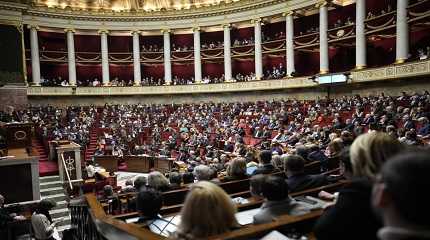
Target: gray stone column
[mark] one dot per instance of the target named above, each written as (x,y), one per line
(402,32)
(136,58)
(360,35)
(290,43)
(258,49)
(227,53)
(324,59)
(35,61)
(105,57)
(71,62)
(197,56)
(167,61)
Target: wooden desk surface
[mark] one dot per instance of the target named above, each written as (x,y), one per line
(18,152)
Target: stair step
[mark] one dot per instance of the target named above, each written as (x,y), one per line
(52,190)
(49,178)
(58,213)
(61,228)
(52,184)
(61,204)
(55,197)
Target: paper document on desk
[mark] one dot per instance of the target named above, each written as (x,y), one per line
(275,235)
(246,217)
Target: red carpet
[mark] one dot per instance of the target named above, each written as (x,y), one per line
(46,167)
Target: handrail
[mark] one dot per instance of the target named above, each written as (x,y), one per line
(67,172)
(131,229)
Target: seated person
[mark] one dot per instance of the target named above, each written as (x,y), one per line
(149,203)
(188,177)
(200,219)
(255,185)
(6,217)
(352,208)
(203,173)
(91,171)
(43,227)
(236,170)
(175,180)
(297,179)
(266,166)
(276,201)
(112,199)
(400,196)
(157,181)
(128,187)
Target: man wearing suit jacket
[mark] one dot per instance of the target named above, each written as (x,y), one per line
(399,194)
(297,179)
(266,166)
(277,202)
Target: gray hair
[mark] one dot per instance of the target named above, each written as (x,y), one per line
(202,172)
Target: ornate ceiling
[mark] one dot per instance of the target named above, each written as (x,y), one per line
(130,5)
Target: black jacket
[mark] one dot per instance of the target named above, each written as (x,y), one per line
(304,181)
(265,169)
(351,217)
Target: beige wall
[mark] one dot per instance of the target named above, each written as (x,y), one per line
(364,89)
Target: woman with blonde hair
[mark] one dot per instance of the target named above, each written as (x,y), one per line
(370,151)
(158,181)
(236,170)
(367,155)
(207,211)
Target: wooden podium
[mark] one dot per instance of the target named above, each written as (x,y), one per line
(19,169)
(69,159)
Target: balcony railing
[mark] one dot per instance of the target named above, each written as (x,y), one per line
(412,69)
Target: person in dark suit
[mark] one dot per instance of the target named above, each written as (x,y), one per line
(276,201)
(266,166)
(297,179)
(404,209)
(352,217)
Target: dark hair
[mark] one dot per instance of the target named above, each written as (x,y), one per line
(294,163)
(346,159)
(187,177)
(256,183)
(45,205)
(149,202)
(302,151)
(175,177)
(266,156)
(406,179)
(139,182)
(275,188)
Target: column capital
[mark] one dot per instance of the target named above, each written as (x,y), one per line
(226,25)
(256,20)
(196,29)
(101,31)
(166,30)
(323,3)
(66,30)
(33,26)
(289,13)
(135,31)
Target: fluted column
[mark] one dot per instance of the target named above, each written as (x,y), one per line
(136,58)
(167,62)
(324,59)
(258,51)
(402,32)
(197,56)
(71,62)
(105,57)
(360,34)
(35,61)
(290,43)
(227,53)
